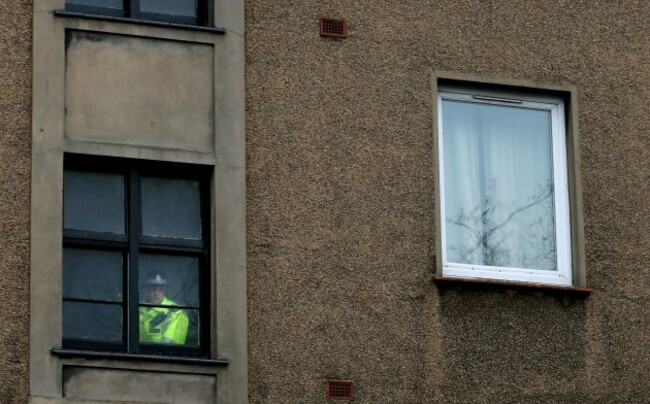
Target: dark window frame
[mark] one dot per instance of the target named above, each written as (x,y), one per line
(131,9)
(133,243)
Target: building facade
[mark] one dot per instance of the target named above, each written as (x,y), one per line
(15,173)
(343,164)
(443,201)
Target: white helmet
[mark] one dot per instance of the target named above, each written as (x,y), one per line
(156,279)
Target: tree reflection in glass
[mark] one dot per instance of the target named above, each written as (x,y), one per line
(498,173)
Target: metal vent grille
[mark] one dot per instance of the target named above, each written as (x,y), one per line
(340,390)
(333,28)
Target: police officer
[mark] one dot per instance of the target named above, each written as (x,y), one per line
(161,324)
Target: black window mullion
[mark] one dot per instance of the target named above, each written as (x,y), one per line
(205,292)
(132,8)
(204,306)
(97,301)
(179,248)
(90,238)
(202,13)
(176,306)
(132,293)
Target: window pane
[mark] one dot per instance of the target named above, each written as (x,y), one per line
(92,274)
(169,280)
(171,7)
(164,325)
(498,175)
(171,208)
(93,201)
(98,3)
(92,321)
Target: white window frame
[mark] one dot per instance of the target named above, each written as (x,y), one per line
(555,105)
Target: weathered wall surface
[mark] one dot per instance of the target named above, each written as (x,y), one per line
(15,153)
(341,219)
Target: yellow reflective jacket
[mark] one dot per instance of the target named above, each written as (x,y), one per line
(163,324)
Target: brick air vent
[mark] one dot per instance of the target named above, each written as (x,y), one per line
(333,28)
(340,390)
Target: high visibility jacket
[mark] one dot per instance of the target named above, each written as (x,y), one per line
(163,324)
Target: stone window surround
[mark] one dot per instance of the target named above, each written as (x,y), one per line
(229,341)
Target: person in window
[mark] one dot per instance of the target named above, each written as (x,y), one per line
(161,324)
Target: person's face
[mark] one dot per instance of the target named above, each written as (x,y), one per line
(156,294)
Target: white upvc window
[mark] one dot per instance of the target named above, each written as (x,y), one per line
(504,191)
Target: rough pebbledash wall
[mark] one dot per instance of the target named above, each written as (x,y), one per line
(341,218)
(15,158)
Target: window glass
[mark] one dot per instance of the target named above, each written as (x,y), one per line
(98,3)
(92,321)
(92,274)
(161,249)
(172,7)
(169,326)
(174,278)
(171,208)
(504,186)
(167,281)
(93,202)
(499,189)
(193,331)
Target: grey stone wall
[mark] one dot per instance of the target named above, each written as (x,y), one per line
(15,158)
(341,218)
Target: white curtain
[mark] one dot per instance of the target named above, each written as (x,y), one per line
(498,185)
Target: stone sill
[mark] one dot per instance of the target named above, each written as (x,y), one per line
(79,353)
